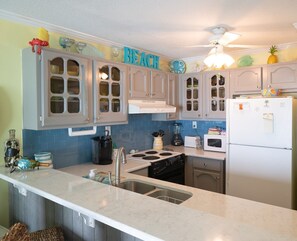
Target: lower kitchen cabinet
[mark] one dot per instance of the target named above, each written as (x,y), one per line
(207,174)
(208,180)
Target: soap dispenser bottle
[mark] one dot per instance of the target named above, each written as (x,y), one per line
(92,174)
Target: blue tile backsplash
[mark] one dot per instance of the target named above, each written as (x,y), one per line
(202,127)
(137,134)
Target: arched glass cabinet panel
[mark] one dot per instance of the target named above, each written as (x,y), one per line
(217,88)
(109,103)
(65,83)
(192,95)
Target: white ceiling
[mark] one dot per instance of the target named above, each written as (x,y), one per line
(166,26)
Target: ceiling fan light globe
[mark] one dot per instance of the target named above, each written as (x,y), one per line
(218,60)
(209,60)
(228,60)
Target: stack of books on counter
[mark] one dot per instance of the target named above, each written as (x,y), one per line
(216,131)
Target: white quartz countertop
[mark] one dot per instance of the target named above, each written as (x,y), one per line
(83,169)
(191,151)
(205,216)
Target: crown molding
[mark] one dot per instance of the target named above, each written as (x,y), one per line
(14,17)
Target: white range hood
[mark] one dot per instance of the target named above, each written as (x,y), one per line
(149,107)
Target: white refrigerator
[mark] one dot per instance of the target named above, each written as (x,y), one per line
(261,150)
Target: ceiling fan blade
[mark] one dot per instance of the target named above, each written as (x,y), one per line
(199,46)
(228,38)
(245,46)
(212,51)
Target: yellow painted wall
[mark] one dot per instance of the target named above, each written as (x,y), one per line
(15,37)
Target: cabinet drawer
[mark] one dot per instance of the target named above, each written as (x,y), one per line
(207,164)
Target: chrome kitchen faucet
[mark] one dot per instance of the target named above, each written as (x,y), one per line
(121,154)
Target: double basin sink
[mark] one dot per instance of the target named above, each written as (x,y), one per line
(156,191)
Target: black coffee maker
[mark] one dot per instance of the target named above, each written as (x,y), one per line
(102,149)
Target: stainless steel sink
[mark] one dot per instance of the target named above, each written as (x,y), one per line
(137,186)
(170,195)
(155,191)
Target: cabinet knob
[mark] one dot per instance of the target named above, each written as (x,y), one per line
(204,164)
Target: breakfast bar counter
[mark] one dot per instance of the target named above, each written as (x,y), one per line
(205,216)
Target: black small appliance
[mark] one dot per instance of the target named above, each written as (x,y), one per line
(102,149)
(177,140)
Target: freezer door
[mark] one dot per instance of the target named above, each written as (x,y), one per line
(260,122)
(260,174)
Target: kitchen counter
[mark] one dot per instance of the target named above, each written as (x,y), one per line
(205,216)
(190,151)
(83,169)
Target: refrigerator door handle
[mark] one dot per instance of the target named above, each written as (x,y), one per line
(268,123)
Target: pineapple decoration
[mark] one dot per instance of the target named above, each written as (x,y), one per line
(272,59)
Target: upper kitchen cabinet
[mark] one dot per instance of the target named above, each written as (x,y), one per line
(281,76)
(158,85)
(55,89)
(147,84)
(110,98)
(247,80)
(172,99)
(217,91)
(173,95)
(191,96)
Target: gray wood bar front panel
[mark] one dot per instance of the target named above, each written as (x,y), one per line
(39,213)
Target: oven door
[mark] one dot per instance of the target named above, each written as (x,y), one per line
(176,176)
(170,170)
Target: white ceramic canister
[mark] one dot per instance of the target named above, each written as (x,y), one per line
(158,143)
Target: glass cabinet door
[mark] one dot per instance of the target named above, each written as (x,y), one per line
(192,96)
(64,86)
(109,93)
(217,93)
(217,83)
(109,89)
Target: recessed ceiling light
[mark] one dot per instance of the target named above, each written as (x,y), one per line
(295,25)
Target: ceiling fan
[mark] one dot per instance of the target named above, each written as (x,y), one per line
(221,37)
